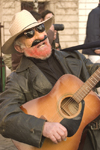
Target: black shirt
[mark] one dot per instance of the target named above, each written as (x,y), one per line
(50,67)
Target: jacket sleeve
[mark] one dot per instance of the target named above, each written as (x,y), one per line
(14,123)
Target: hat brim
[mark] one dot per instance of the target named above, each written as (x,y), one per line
(8,47)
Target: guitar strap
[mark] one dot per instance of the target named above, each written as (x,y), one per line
(95,124)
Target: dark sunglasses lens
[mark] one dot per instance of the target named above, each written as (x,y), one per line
(40,28)
(30,33)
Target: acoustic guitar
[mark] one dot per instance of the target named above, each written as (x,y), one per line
(72,103)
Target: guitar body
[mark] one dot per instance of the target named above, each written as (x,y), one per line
(49,107)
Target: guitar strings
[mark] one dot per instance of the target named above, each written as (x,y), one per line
(56,117)
(83,92)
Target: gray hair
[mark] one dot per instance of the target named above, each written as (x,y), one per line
(21,45)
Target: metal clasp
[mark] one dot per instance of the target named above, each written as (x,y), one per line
(96,125)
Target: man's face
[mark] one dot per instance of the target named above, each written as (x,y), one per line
(37,46)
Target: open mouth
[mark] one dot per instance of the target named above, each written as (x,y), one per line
(41,45)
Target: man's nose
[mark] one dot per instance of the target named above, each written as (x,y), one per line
(40,35)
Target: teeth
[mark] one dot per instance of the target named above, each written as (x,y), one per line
(42,45)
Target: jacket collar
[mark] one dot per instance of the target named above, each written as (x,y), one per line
(24,64)
(73,65)
(27,63)
(69,62)
(70,65)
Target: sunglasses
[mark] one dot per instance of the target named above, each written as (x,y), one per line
(31,32)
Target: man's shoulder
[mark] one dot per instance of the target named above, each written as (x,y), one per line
(66,53)
(17,79)
(95,10)
(13,75)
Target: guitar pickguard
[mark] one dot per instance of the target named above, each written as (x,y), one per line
(73,124)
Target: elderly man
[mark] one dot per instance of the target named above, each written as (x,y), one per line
(37,73)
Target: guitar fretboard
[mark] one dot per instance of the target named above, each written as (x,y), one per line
(87,86)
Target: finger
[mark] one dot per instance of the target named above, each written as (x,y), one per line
(64,130)
(53,139)
(58,137)
(62,134)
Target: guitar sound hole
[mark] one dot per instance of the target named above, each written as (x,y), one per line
(69,106)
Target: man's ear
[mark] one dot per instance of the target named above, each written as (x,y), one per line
(18,49)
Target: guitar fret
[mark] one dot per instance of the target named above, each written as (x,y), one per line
(90,85)
(79,95)
(94,81)
(77,98)
(84,91)
(82,94)
(97,77)
(87,86)
(98,71)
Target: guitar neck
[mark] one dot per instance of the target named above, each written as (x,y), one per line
(87,86)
